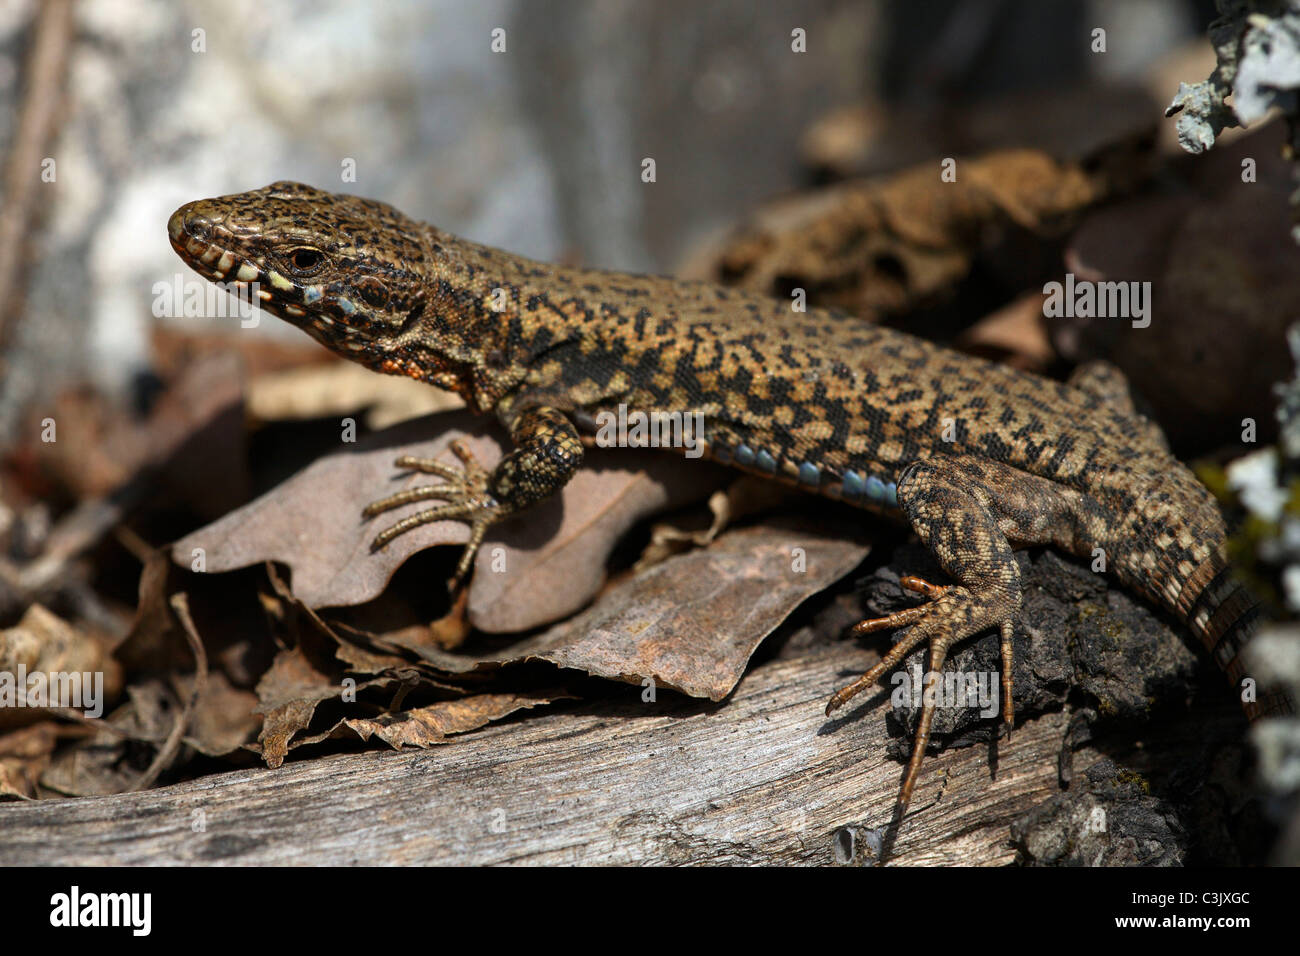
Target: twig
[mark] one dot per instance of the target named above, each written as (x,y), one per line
(181,605)
(53,37)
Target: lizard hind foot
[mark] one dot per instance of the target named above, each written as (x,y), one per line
(951,613)
(466,496)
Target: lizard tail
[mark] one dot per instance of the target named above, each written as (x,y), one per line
(1224,615)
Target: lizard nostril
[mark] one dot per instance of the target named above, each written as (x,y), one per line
(198,227)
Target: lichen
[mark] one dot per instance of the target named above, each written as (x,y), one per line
(1264,487)
(1257,47)
(1133,777)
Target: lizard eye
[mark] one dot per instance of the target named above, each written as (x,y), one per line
(305,261)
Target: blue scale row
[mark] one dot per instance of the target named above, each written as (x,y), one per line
(872,488)
(854,487)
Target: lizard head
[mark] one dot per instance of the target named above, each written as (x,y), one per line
(350,272)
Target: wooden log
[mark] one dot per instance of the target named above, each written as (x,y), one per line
(762,778)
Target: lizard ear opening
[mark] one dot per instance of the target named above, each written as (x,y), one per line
(374,292)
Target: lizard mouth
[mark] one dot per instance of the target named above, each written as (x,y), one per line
(195,239)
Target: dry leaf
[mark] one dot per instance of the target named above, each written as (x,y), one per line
(359,660)
(112,761)
(43,643)
(24,755)
(692,622)
(745,496)
(312,523)
(426,726)
(554,555)
(223,718)
(290,692)
(287,697)
(890,244)
(546,570)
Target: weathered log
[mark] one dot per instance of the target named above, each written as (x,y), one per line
(762,778)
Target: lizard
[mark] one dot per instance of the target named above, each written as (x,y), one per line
(975,457)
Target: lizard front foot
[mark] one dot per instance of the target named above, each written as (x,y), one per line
(466,491)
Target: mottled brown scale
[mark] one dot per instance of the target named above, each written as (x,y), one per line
(979,456)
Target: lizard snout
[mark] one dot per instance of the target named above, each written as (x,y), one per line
(189,222)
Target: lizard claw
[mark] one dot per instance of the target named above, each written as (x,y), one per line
(891,622)
(951,613)
(465,491)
